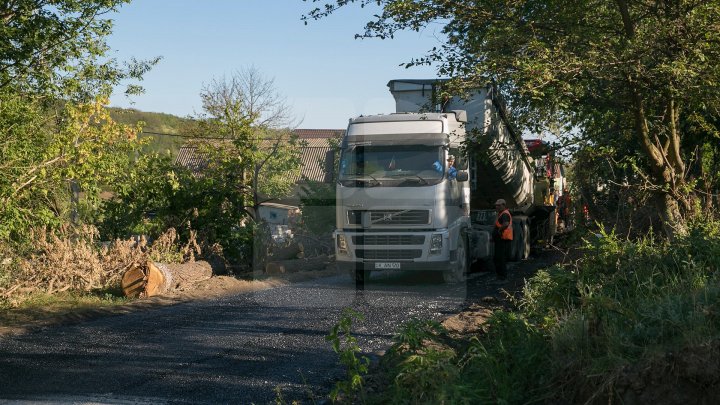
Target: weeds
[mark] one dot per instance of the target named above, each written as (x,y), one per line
(626,301)
(578,326)
(345,344)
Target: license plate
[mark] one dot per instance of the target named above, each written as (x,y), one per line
(386,265)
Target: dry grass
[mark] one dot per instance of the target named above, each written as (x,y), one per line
(73,260)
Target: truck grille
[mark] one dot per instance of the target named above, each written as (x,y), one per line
(388,254)
(391,217)
(388,240)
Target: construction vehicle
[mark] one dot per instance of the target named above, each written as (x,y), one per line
(400,206)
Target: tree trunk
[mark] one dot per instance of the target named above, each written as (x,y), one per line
(669,211)
(157,278)
(666,165)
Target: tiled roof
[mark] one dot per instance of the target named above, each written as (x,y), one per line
(318,133)
(317,155)
(190,157)
(317,164)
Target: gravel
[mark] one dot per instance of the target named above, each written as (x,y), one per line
(245,348)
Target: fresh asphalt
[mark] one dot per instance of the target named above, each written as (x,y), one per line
(250,348)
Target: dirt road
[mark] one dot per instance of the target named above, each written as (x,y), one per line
(242,348)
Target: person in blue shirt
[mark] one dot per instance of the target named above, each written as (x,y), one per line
(451,171)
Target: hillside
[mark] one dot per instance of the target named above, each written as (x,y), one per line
(154,126)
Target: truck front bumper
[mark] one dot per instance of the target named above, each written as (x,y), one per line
(378,250)
(403,266)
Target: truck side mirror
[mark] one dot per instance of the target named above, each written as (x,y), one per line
(462,176)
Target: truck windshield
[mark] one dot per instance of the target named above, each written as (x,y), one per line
(391,165)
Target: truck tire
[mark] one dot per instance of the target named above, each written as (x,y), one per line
(515,245)
(526,239)
(520,246)
(458,274)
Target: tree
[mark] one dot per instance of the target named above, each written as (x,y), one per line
(640,71)
(42,154)
(57,48)
(256,148)
(55,134)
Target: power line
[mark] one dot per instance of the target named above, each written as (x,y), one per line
(218,138)
(183,136)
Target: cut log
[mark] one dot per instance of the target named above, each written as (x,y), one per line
(294,266)
(157,278)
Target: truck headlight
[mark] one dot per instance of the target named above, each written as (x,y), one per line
(341,244)
(436,243)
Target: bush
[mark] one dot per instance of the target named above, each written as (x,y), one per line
(626,301)
(579,325)
(157,194)
(318,207)
(511,363)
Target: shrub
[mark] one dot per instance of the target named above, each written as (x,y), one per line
(509,364)
(157,195)
(625,301)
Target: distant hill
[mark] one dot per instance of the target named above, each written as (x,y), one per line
(157,126)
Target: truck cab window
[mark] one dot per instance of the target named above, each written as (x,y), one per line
(393,165)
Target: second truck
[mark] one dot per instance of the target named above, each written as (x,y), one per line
(400,206)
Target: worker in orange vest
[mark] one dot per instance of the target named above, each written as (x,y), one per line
(502,236)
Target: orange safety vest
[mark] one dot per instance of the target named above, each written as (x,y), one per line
(507,234)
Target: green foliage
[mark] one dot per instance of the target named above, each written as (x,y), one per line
(427,368)
(58,145)
(345,344)
(511,363)
(46,153)
(640,76)
(625,301)
(428,377)
(415,332)
(547,297)
(258,149)
(58,49)
(154,125)
(318,207)
(155,194)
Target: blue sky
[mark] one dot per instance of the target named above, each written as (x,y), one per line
(326,75)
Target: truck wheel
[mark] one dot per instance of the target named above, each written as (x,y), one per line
(516,245)
(458,273)
(526,240)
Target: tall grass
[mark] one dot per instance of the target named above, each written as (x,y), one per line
(623,302)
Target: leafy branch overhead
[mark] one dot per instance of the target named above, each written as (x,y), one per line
(611,69)
(57,47)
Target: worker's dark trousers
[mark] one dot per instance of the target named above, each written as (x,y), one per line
(502,251)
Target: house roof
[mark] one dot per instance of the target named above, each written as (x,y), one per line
(189,156)
(317,156)
(318,133)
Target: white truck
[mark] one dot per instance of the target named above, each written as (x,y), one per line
(399,205)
